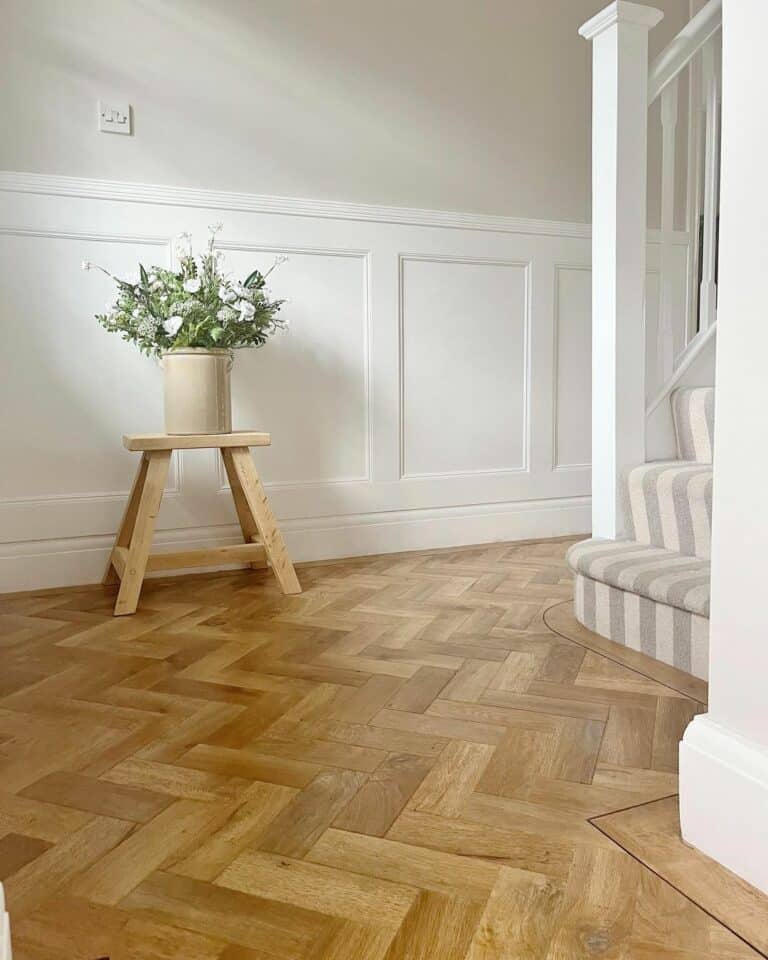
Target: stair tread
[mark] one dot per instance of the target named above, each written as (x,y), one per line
(667,576)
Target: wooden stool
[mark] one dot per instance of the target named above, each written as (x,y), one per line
(130,558)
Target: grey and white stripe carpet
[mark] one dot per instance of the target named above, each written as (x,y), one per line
(693,411)
(669,504)
(655,573)
(650,591)
(666,633)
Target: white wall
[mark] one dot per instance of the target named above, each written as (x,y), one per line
(443,104)
(433,388)
(724,758)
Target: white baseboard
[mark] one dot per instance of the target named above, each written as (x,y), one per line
(68,562)
(724,799)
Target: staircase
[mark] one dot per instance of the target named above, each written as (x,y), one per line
(650,591)
(643,579)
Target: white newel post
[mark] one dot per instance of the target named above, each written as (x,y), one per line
(724,753)
(619,36)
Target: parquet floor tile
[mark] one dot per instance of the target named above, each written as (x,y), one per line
(421,757)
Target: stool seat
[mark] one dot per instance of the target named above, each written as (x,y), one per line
(194,441)
(130,558)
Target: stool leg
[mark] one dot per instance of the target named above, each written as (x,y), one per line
(144,528)
(261,512)
(247,523)
(128,522)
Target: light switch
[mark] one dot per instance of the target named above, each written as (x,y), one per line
(114,117)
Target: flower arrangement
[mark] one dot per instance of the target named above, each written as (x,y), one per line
(195,306)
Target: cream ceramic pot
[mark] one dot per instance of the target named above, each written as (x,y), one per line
(198,397)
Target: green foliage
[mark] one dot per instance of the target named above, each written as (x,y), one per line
(196,306)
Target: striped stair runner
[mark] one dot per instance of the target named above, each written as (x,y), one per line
(693,410)
(669,504)
(650,591)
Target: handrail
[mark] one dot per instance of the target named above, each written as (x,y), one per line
(686,44)
(684,361)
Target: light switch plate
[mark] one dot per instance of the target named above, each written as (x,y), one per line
(114,117)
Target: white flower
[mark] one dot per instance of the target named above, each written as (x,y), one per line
(227,294)
(86,265)
(192,285)
(147,327)
(247,310)
(225,314)
(171,325)
(136,313)
(163,297)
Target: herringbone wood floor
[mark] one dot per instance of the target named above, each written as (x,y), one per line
(399,764)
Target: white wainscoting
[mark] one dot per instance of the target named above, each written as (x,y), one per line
(432,390)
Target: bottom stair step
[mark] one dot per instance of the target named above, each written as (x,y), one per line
(646,598)
(668,634)
(663,575)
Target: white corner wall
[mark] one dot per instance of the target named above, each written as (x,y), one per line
(724,754)
(433,388)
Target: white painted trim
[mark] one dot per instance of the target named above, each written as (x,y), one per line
(620,11)
(723,798)
(116,190)
(78,560)
(619,36)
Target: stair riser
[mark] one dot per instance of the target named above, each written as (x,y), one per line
(693,412)
(670,506)
(666,633)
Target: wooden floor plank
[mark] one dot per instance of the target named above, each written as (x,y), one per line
(520,918)
(436,926)
(298,826)
(327,890)
(98,796)
(375,806)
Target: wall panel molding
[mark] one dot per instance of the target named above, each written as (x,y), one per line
(525,386)
(331,394)
(559,361)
